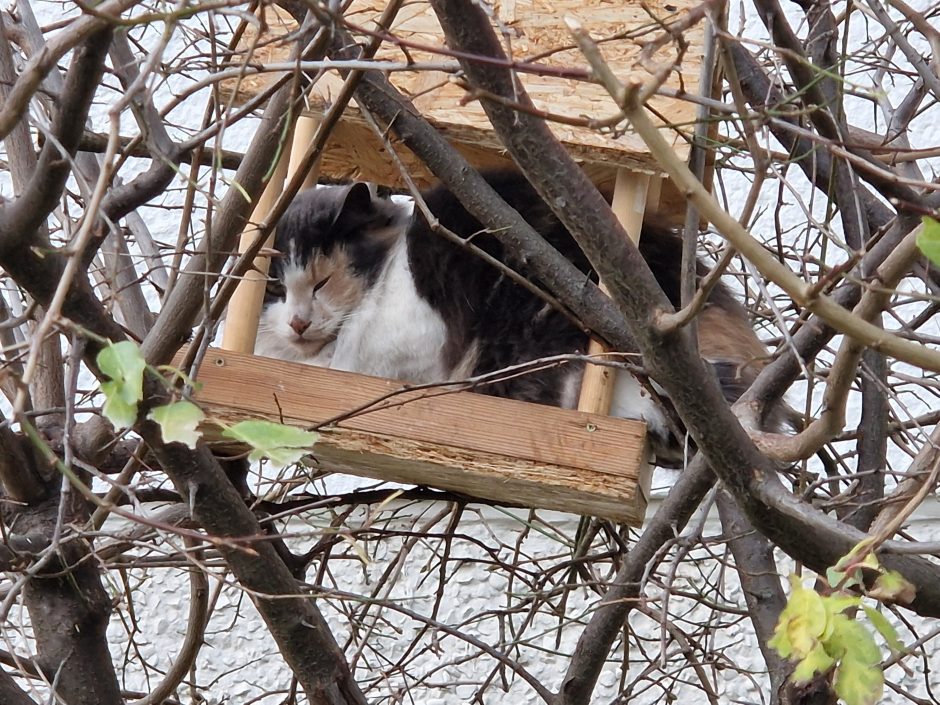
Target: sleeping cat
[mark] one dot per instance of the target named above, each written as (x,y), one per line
(364,286)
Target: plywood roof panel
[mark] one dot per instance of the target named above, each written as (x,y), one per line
(535,35)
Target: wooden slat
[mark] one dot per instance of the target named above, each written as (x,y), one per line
(629,205)
(354,153)
(497,449)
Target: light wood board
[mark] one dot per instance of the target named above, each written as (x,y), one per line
(497,449)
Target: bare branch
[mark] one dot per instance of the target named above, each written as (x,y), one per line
(624,592)
(11,693)
(760,582)
(930,77)
(35,70)
(761,93)
(194,639)
(20,219)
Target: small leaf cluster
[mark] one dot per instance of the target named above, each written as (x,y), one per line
(821,634)
(179,421)
(928,240)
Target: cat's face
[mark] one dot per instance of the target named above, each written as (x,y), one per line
(332,244)
(311,298)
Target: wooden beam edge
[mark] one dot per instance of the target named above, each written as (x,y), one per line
(308,396)
(487,476)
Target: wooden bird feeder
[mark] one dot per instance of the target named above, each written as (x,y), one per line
(503,450)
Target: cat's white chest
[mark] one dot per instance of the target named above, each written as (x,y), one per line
(394,332)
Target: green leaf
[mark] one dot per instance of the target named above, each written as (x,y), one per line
(840,603)
(178,422)
(838,579)
(928,240)
(892,587)
(282,444)
(884,627)
(124,364)
(834,577)
(801,623)
(851,640)
(858,682)
(816,661)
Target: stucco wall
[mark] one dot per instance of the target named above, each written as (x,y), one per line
(242,663)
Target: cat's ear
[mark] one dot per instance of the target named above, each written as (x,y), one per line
(358,200)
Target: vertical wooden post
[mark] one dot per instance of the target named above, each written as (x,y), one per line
(629,205)
(304,132)
(244,308)
(653,193)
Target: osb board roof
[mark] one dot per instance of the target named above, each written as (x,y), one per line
(533,31)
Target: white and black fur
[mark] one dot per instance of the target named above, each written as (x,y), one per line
(364,286)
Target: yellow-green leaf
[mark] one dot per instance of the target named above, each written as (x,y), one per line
(891,586)
(928,240)
(884,627)
(282,444)
(862,548)
(125,366)
(840,602)
(178,422)
(801,623)
(816,661)
(858,682)
(851,640)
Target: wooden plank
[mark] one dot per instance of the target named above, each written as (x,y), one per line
(354,153)
(498,449)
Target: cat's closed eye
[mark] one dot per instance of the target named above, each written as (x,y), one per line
(320,284)
(275,289)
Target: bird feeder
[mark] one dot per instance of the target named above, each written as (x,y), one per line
(502,450)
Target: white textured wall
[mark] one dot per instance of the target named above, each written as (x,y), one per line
(243,663)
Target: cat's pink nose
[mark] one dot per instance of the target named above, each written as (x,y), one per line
(299,325)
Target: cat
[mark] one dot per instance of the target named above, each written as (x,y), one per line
(364,286)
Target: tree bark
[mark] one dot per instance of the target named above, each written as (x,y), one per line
(69,614)
(11,693)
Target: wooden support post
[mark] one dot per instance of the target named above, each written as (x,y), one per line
(304,132)
(629,205)
(244,308)
(653,193)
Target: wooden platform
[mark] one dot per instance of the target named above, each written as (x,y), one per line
(481,446)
